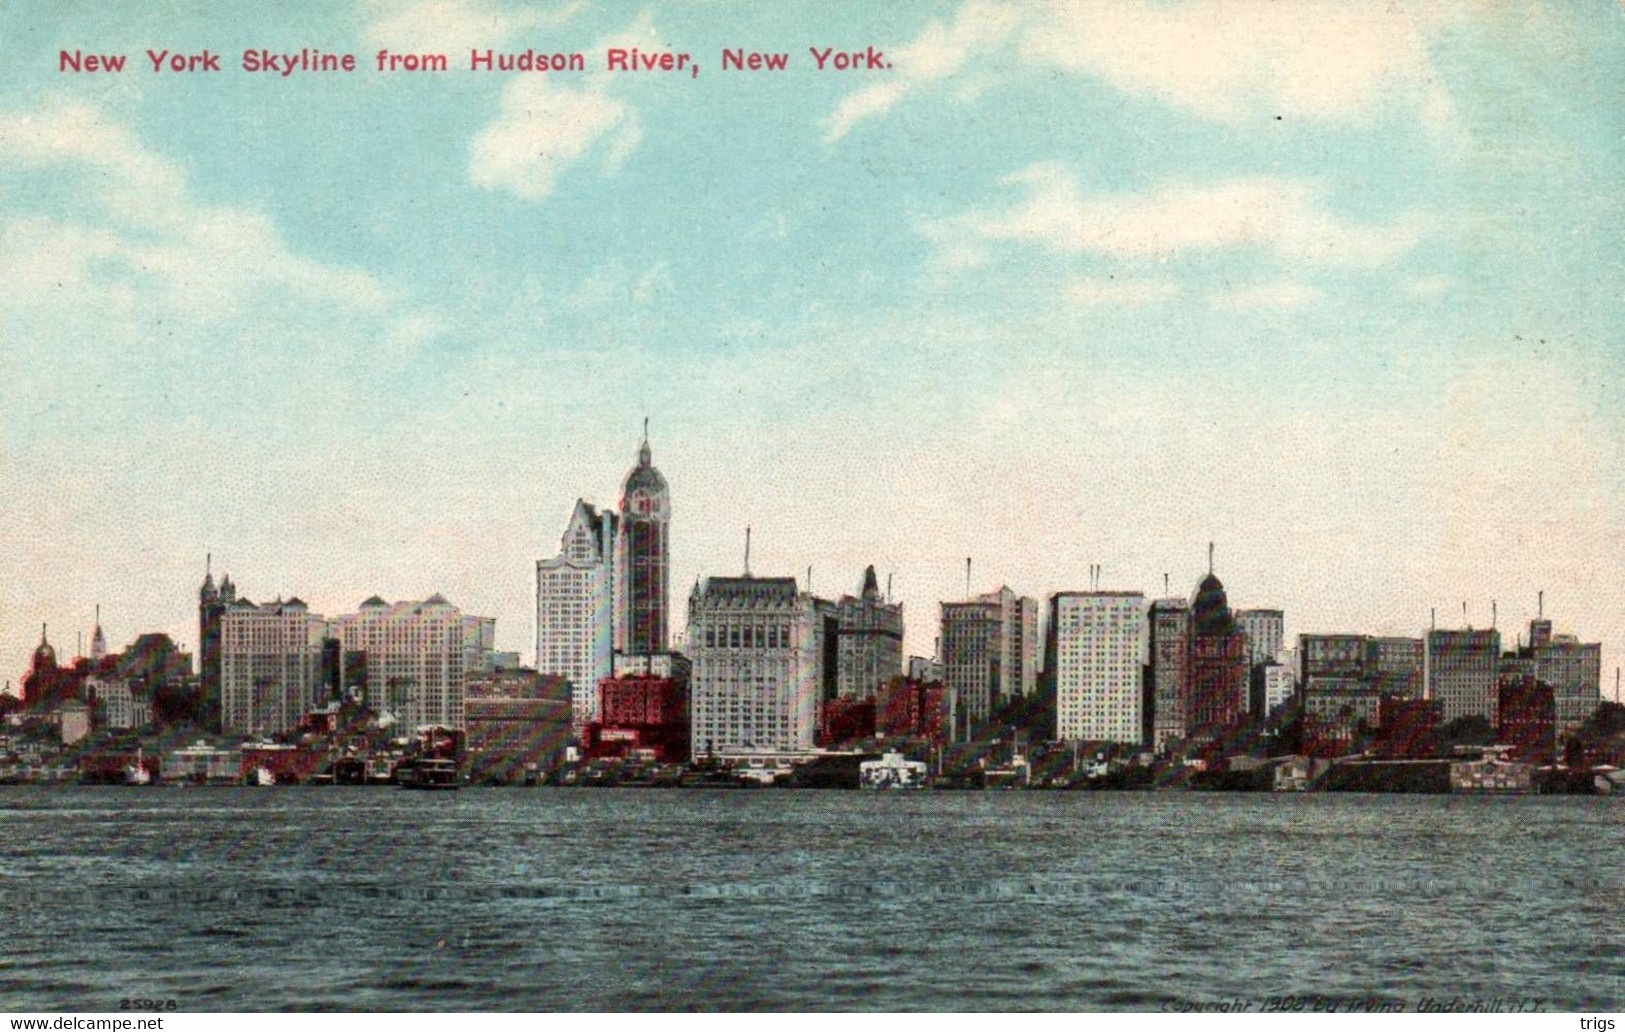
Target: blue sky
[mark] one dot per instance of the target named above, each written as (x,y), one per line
(1336,286)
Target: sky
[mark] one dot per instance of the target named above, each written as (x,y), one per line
(1337,287)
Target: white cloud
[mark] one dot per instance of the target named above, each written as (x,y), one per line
(544,129)
(1280,216)
(452,26)
(1091,293)
(1284,293)
(1229,61)
(940,52)
(204,260)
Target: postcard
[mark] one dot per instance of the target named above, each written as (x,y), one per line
(538,506)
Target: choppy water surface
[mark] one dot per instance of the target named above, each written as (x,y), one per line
(547,899)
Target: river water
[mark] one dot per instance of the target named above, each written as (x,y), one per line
(559,899)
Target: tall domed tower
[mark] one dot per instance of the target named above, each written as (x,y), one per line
(1218,670)
(643,558)
(211,606)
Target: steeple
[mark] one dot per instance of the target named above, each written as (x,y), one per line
(644,458)
(98,641)
(207,592)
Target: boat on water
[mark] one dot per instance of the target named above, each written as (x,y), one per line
(891,772)
(259,777)
(428,774)
(136,772)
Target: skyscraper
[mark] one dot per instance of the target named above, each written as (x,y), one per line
(758,646)
(642,558)
(989,654)
(417,657)
(1099,654)
(1219,682)
(1462,669)
(1169,669)
(212,603)
(575,607)
(1573,670)
(270,660)
(871,640)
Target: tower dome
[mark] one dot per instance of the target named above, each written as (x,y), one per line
(1210,608)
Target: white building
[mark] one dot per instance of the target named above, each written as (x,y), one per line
(1265,630)
(118,705)
(758,675)
(418,657)
(575,608)
(270,657)
(1278,684)
(1100,655)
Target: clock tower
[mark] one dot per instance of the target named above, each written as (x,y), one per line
(642,558)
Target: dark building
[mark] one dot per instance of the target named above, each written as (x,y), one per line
(643,558)
(211,609)
(1408,729)
(842,720)
(1167,682)
(907,707)
(1528,712)
(1216,701)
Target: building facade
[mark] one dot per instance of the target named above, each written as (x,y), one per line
(989,654)
(1573,669)
(1169,671)
(758,649)
(270,663)
(871,640)
(417,657)
(1099,665)
(1265,630)
(1462,668)
(1219,674)
(575,607)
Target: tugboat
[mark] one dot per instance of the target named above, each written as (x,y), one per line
(425,773)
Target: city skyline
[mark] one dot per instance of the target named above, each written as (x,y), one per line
(374,335)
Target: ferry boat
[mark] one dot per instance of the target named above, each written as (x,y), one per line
(428,774)
(891,771)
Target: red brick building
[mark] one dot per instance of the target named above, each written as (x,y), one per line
(638,713)
(907,708)
(842,720)
(1527,708)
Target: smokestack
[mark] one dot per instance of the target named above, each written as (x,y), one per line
(967,578)
(888,587)
(1210,557)
(1494,615)
(1433,618)
(747,553)
(1540,604)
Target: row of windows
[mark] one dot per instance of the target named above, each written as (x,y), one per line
(749,636)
